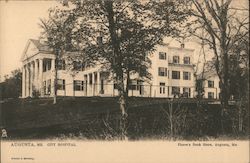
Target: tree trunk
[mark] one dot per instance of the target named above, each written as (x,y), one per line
(123,120)
(117,66)
(224,53)
(123,109)
(127,84)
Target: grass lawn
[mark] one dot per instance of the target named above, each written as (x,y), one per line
(39,117)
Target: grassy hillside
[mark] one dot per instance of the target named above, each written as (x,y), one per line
(98,117)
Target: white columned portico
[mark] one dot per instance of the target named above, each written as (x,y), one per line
(23,81)
(41,77)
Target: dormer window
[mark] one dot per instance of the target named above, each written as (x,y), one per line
(210,84)
(186,60)
(176,59)
(162,56)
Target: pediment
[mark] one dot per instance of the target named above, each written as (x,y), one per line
(29,51)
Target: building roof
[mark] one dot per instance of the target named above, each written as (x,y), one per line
(34,47)
(176,48)
(40,46)
(207,75)
(180,48)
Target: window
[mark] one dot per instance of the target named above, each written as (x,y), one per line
(61,64)
(61,84)
(162,56)
(49,64)
(176,59)
(162,88)
(162,71)
(78,85)
(210,84)
(175,74)
(175,90)
(48,86)
(46,65)
(210,95)
(115,86)
(90,79)
(186,60)
(44,87)
(132,85)
(186,92)
(186,75)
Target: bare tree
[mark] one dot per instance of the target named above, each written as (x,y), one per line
(239,81)
(223,27)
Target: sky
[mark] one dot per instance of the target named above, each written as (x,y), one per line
(18,23)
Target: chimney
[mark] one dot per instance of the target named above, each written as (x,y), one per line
(182,45)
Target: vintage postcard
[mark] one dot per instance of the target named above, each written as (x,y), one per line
(97,81)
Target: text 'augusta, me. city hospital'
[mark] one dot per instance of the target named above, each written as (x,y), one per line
(172,71)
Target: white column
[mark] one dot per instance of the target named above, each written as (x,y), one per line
(36,74)
(93,84)
(46,65)
(98,84)
(23,81)
(88,85)
(31,77)
(27,80)
(53,63)
(40,80)
(53,77)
